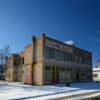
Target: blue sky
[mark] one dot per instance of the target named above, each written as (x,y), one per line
(76,20)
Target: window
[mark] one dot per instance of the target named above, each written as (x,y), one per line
(47,52)
(15,63)
(48,76)
(80,61)
(83,60)
(47,67)
(62,68)
(50,53)
(70,57)
(67,57)
(77,59)
(48,73)
(73,58)
(62,56)
(95,75)
(22,60)
(53,68)
(89,62)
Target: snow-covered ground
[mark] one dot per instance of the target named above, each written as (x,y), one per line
(18,91)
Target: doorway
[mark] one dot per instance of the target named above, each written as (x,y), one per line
(55,75)
(77,77)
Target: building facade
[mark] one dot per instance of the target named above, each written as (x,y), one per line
(14,68)
(49,61)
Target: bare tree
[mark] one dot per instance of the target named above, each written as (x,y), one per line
(4,54)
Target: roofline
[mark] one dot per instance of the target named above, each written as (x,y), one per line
(67,44)
(27,45)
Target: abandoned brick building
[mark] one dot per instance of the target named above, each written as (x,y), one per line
(14,68)
(49,61)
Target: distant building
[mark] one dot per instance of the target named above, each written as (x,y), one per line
(14,68)
(96,74)
(49,61)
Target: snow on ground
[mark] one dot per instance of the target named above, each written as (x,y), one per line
(20,91)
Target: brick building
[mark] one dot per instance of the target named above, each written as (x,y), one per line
(14,68)
(49,61)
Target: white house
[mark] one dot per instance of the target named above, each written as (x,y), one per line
(96,74)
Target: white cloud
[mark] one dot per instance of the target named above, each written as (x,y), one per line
(70,42)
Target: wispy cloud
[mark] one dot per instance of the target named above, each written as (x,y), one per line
(95,39)
(98,32)
(70,42)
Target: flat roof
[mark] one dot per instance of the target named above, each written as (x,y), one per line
(96,69)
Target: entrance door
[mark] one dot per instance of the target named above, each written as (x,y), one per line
(55,75)
(77,77)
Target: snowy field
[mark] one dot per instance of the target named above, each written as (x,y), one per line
(18,91)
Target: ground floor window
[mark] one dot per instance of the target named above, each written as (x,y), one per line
(48,74)
(56,75)
(62,75)
(83,76)
(95,75)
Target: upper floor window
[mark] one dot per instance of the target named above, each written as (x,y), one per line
(52,53)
